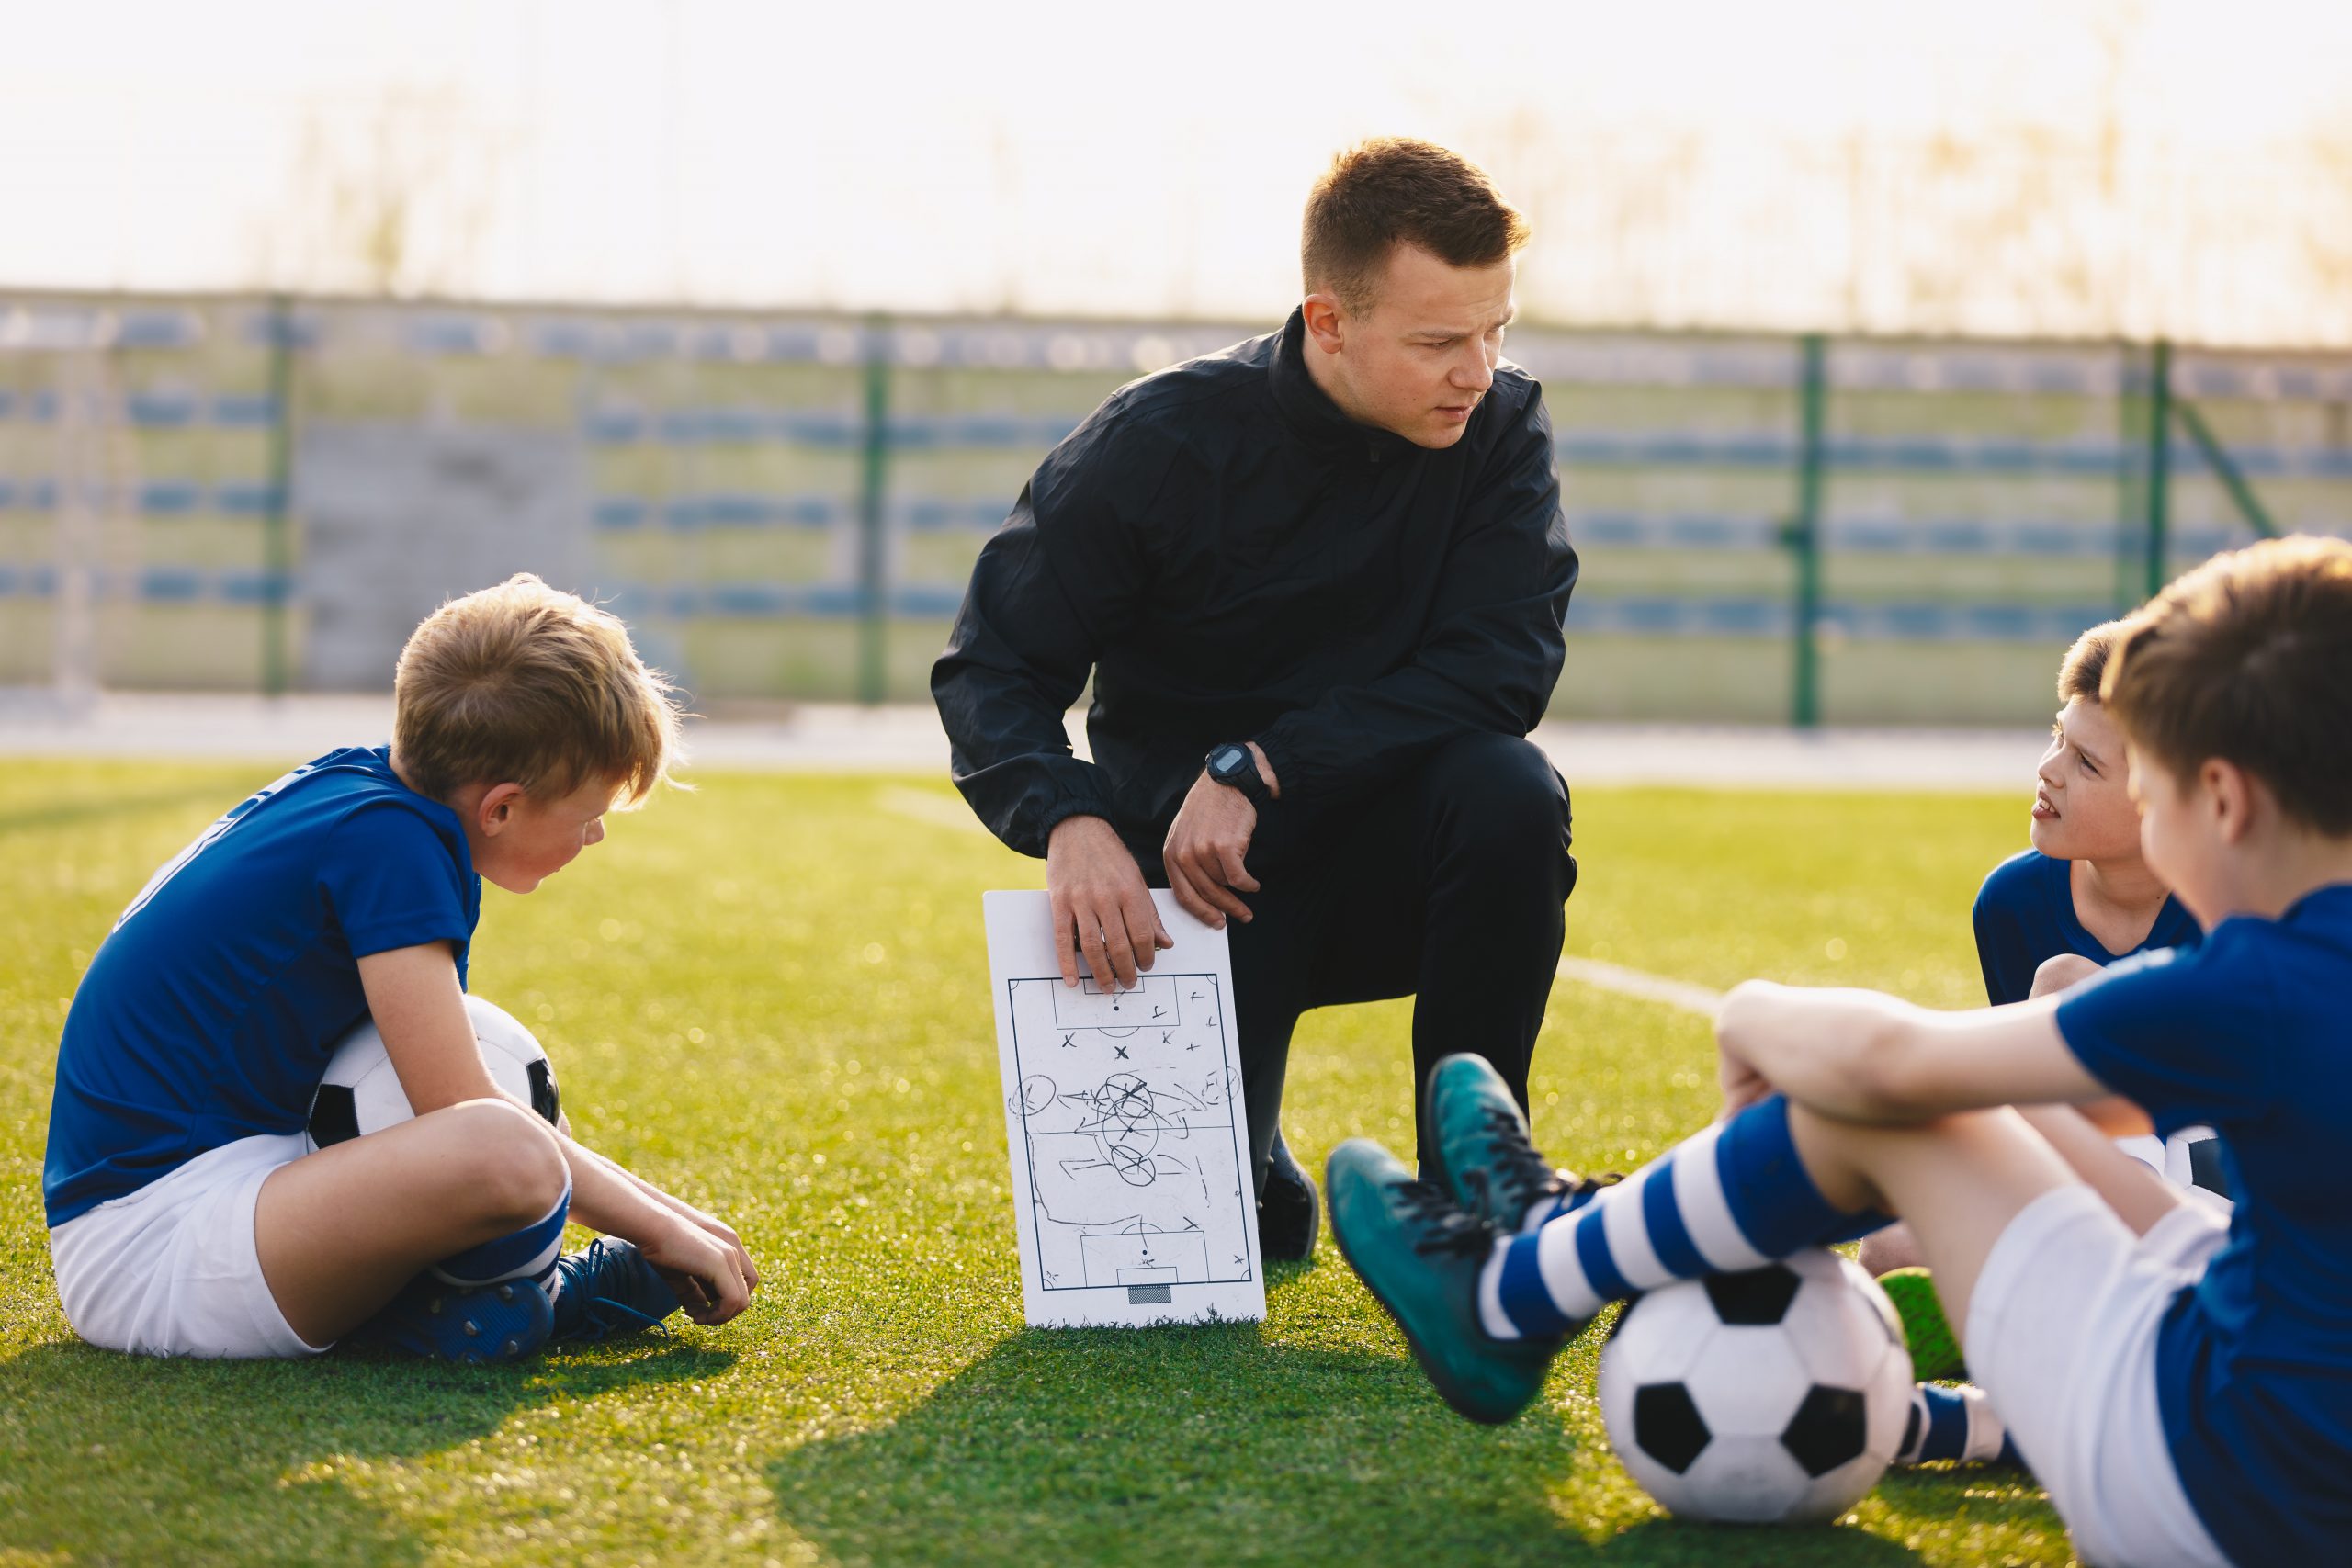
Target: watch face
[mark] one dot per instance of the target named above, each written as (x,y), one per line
(1230,759)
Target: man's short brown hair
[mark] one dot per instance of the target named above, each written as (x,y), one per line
(2248,658)
(525,683)
(1396,191)
(2085,662)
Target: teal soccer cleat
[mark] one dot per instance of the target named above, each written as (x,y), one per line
(1485,1156)
(502,1322)
(608,1289)
(1420,1256)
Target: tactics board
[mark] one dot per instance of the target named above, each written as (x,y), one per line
(1123,1111)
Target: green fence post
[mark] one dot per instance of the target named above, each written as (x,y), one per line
(2129,450)
(277,547)
(872,544)
(2225,469)
(1804,538)
(2159,462)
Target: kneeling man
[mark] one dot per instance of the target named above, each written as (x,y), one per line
(1318,580)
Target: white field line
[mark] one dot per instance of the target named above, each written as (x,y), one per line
(939,811)
(1639,983)
(923,806)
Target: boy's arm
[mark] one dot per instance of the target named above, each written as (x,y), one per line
(1862,1056)
(413,996)
(420,1010)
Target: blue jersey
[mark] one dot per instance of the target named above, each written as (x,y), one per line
(208,1012)
(2249,1031)
(2025,916)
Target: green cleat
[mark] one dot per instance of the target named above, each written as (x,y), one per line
(1935,1349)
(1420,1257)
(1484,1155)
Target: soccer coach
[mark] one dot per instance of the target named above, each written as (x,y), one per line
(1319,580)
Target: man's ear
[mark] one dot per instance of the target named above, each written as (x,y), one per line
(495,811)
(1326,321)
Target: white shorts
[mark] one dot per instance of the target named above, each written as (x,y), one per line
(171,1269)
(2061,1333)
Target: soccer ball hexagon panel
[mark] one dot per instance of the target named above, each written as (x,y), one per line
(1777,1395)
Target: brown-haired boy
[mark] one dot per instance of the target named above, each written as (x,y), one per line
(2182,1385)
(186,1214)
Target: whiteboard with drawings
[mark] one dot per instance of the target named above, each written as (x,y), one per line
(1123,1110)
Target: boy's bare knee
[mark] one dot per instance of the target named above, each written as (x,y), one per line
(2056,973)
(511,1158)
(1894,1247)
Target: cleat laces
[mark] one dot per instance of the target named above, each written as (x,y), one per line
(1446,1227)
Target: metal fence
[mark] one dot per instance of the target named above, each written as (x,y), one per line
(264,494)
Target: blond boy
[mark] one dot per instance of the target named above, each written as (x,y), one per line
(186,1214)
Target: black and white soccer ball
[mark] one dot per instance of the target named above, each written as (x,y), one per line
(361,1093)
(1778,1396)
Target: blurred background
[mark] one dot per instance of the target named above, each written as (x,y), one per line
(1887,346)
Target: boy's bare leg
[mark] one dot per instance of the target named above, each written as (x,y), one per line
(1959,1181)
(2130,1189)
(341,1231)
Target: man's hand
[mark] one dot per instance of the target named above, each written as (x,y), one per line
(1206,845)
(1101,907)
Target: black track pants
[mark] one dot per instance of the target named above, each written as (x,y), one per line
(1447,887)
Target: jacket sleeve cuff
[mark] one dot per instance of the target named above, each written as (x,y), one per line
(1061,811)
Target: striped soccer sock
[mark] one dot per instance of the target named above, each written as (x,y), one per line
(1955,1423)
(1735,1196)
(526,1254)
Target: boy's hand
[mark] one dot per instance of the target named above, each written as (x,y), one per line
(1742,1085)
(1741,1082)
(713,1278)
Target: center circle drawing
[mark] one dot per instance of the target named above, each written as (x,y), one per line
(1129,1127)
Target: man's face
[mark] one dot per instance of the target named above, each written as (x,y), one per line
(1417,361)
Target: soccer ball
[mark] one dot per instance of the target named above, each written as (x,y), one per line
(361,1093)
(1773,1396)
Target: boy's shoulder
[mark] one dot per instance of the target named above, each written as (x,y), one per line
(2025,876)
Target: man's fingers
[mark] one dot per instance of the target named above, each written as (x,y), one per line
(1236,874)
(1189,901)
(1224,898)
(1121,951)
(1145,933)
(1098,956)
(1065,946)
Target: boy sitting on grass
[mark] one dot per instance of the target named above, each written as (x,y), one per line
(2182,1383)
(2081,897)
(186,1215)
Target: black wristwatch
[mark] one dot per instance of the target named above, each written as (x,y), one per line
(1233,763)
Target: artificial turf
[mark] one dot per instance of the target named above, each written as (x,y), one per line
(770,995)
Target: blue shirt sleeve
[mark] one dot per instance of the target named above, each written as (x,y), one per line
(2180,1031)
(392,882)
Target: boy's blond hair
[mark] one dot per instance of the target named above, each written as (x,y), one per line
(2080,671)
(2248,658)
(525,683)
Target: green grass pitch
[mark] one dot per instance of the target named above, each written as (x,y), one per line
(771,994)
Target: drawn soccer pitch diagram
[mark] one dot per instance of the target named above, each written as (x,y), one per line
(1129,1148)
(1133,1154)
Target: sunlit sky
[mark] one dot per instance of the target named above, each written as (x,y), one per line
(1044,157)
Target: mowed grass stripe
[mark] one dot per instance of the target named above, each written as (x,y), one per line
(772,995)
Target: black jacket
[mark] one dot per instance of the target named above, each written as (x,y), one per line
(1235,559)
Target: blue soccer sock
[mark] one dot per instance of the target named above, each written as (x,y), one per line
(526,1254)
(1735,1196)
(1955,1423)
